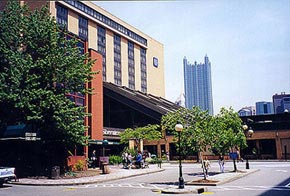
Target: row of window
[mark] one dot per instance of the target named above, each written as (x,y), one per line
(83,28)
(131,65)
(143,70)
(117,60)
(102,48)
(79,5)
(62,15)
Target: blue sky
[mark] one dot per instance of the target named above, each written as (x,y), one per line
(247,42)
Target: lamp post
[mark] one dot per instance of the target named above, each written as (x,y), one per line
(178,128)
(248,133)
(105,142)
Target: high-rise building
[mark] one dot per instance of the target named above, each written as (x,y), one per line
(198,85)
(281,103)
(263,107)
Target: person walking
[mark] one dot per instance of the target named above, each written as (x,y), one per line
(138,159)
(130,160)
(221,163)
(206,165)
(94,159)
(167,156)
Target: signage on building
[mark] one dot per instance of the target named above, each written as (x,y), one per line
(155,62)
(30,136)
(111,132)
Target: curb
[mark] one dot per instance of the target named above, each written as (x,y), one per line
(87,182)
(226,180)
(183,191)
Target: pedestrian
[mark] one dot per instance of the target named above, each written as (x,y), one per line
(221,163)
(167,156)
(94,159)
(125,160)
(206,165)
(130,160)
(139,159)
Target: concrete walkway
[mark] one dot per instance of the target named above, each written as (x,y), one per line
(116,172)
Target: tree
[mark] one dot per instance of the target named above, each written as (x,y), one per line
(39,66)
(197,134)
(230,135)
(149,133)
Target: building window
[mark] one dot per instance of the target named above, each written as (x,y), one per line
(117,60)
(104,19)
(61,16)
(143,70)
(76,97)
(102,48)
(131,65)
(83,28)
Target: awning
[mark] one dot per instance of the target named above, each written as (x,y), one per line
(100,142)
(19,132)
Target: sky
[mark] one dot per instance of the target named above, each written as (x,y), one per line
(247,42)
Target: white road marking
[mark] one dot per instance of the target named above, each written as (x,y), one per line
(280,170)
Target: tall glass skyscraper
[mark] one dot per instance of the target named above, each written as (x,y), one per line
(198,85)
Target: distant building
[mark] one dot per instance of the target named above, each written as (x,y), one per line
(198,85)
(247,111)
(281,103)
(264,107)
(180,101)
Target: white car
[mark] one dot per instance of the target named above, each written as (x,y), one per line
(7,174)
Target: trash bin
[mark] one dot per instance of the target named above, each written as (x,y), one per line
(105,168)
(55,171)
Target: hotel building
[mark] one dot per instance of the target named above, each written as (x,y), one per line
(125,56)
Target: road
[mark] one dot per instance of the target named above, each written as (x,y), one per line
(272,179)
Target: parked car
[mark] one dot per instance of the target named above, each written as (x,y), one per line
(7,174)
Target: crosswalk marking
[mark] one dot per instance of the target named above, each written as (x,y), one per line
(251,188)
(159,186)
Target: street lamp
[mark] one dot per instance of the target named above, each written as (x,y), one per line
(178,128)
(248,133)
(105,142)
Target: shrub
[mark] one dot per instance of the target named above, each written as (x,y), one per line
(153,160)
(79,166)
(114,159)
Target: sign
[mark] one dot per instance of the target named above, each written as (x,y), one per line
(30,136)
(27,134)
(155,62)
(233,155)
(109,132)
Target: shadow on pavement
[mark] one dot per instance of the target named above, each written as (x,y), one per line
(280,190)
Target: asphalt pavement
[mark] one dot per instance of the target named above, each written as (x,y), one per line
(193,185)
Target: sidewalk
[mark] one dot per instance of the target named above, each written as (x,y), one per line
(116,172)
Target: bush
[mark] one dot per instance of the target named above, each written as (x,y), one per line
(79,166)
(114,159)
(153,160)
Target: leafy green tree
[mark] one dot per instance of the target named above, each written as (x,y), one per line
(149,133)
(39,66)
(230,135)
(197,135)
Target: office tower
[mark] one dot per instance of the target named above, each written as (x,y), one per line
(264,107)
(198,85)
(281,103)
